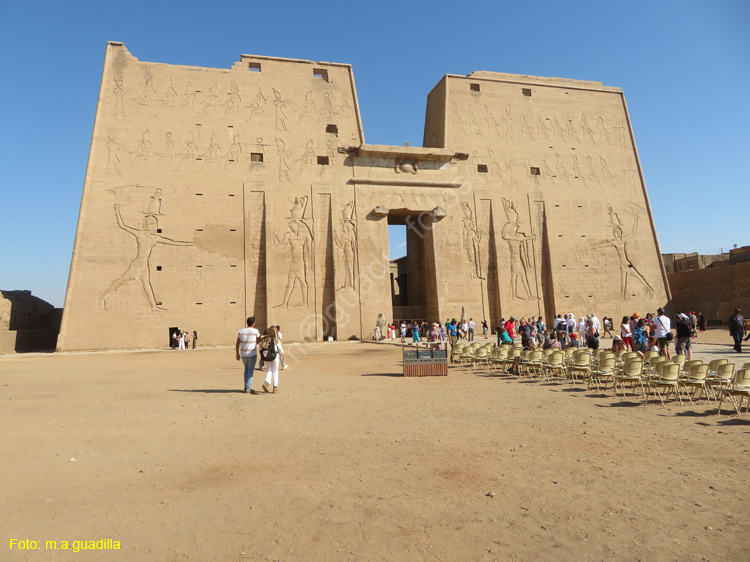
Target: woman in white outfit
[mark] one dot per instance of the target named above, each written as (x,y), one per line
(272,367)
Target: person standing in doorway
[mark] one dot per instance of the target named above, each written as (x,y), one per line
(246,351)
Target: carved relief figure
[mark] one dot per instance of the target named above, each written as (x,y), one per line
(518,244)
(577,170)
(490,119)
(148,95)
(212,153)
(542,127)
(494,166)
(347,243)
(547,172)
(327,113)
(557,129)
(619,243)
(511,168)
(119,92)
(585,129)
(189,99)
(189,153)
(169,98)
(561,170)
(308,157)
(330,150)
(233,154)
(473,121)
(308,107)
(280,104)
(233,100)
(590,169)
(602,129)
(140,268)
(168,152)
(113,156)
(525,128)
(144,149)
(472,236)
(605,171)
(299,239)
(257,106)
(154,204)
(283,154)
(456,118)
(508,125)
(572,131)
(622,133)
(211,100)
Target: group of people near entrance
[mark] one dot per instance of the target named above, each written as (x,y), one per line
(251,345)
(181,339)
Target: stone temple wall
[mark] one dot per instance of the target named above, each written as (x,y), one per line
(216,194)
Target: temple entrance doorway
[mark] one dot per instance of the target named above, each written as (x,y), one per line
(412,266)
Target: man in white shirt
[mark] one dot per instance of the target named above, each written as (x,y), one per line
(595,322)
(472,325)
(663,327)
(247,351)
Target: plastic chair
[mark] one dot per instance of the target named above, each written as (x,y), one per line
(631,373)
(668,378)
(740,388)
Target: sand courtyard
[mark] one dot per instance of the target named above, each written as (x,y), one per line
(351,461)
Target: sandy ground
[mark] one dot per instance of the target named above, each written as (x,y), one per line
(351,461)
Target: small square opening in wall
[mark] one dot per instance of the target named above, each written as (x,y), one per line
(253,66)
(158,268)
(321,73)
(535,171)
(256,157)
(482,168)
(474,87)
(323,160)
(158,231)
(526,92)
(332,129)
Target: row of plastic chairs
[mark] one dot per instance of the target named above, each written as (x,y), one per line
(652,374)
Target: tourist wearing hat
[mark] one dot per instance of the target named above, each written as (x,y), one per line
(573,341)
(684,331)
(737,328)
(618,344)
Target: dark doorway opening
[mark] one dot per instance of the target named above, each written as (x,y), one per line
(173,341)
(413,280)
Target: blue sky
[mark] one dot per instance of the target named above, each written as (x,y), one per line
(684,67)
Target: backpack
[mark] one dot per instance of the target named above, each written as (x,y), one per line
(639,336)
(269,353)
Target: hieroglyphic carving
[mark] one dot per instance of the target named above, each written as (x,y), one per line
(518,244)
(280,104)
(308,157)
(330,150)
(113,156)
(346,241)
(472,236)
(547,172)
(257,106)
(605,171)
(119,93)
(511,168)
(622,133)
(619,243)
(299,239)
(283,154)
(494,166)
(140,267)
